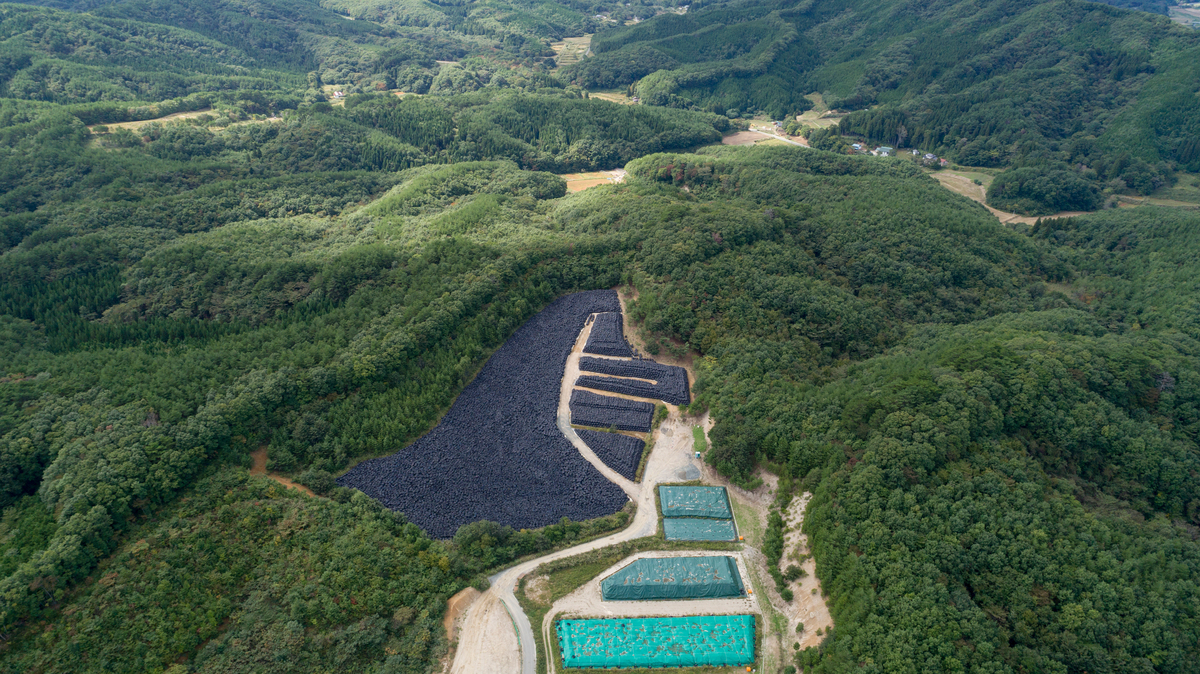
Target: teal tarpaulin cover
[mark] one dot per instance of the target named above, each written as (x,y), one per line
(694,502)
(674,578)
(690,529)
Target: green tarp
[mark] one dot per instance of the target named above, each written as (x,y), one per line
(674,578)
(689,529)
(694,502)
(657,642)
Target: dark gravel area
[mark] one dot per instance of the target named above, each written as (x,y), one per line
(498,454)
(608,337)
(591,409)
(671,382)
(619,452)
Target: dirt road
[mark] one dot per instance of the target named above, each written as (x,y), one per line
(570,374)
(978,193)
(260,468)
(670,456)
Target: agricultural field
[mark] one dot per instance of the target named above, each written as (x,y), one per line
(571,50)
(498,453)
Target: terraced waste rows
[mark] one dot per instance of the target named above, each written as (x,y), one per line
(498,453)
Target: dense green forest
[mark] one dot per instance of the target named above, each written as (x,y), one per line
(1078,97)
(1000,425)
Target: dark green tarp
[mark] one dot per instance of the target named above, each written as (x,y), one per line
(691,529)
(694,502)
(674,578)
(719,640)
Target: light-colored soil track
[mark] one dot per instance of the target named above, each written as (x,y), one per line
(485,641)
(260,468)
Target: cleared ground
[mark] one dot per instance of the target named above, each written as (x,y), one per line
(571,50)
(963,183)
(613,96)
(808,607)
(577,182)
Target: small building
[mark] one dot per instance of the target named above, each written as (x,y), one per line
(930,156)
(884,151)
(943,162)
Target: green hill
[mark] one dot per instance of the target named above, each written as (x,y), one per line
(1000,425)
(1054,86)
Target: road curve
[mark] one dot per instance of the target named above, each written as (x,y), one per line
(670,454)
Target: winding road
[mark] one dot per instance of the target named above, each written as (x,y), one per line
(670,455)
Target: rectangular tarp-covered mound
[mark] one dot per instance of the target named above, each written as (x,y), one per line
(670,382)
(694,502)
(695,529)
(721,640)
(622,453)
(608,337)
(591,409)
(653,578)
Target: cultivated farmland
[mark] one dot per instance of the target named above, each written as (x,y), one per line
(498,454)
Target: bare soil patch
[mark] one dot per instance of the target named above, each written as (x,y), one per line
(536,589)
(491,648)
(809,606)
(745,138)
(577,182)
(456,606)
(966,187)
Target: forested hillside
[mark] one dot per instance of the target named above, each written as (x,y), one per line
(999,425)
(1077,96)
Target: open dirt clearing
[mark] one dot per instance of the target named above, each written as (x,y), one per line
(166,118)
(488,642)
(745,138)
(963,185)
(456,606)
(577,182)
(612,97)
(260,468)
(808,607)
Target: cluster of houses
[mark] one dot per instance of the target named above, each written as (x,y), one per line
(927,159)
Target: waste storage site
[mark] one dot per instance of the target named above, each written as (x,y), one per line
(513,449)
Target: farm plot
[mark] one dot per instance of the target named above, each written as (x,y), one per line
(591,409)
(670,382)
(608,338)
(619,452)
(498,453)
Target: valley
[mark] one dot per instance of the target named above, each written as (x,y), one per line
(818,338)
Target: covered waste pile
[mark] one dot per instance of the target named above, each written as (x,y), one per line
(608,337)
(696,514)
(674,578)
(692,641)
